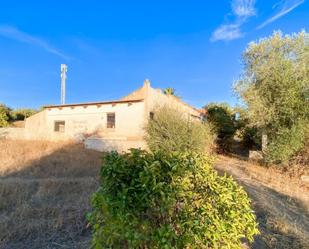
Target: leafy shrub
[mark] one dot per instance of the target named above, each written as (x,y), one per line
(22,114)
(155,200)
(286,143)
(249,135)
(4,115)
(170,131)
(251,138)
(222,119)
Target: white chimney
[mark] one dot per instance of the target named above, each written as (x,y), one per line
(64,70)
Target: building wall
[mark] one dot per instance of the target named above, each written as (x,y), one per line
(83,121)
(155,98)
(88,122)
(12,133)
(101,144)
(35,126)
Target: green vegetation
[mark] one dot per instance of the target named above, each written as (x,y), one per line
(275,88)
(7,115)
(169,91)
(22,114)
(170,130)
(161,200)
(4,115)
(223,121)
(249,135)
(170,197)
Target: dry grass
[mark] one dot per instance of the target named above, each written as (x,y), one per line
(280,200)
(18,124)
(47,159)
(45,190)
(299,165)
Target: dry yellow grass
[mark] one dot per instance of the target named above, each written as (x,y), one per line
(45,191)
(47,159)
(280,200)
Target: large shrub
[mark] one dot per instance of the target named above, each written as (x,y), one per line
(249,135)
(171,130)
(222,118)
(4,115)
(288,142)
(148,200)
(275,88)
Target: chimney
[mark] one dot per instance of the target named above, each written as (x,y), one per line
(64,70)
(146,83)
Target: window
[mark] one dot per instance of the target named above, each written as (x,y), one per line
(151,115)
(59,126)
(111,120)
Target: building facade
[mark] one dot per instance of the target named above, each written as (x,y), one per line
(110,125)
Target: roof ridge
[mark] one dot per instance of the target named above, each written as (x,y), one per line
(95,103)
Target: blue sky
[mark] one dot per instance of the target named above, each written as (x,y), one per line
(110,47)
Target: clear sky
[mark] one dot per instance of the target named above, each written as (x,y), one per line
(110,47)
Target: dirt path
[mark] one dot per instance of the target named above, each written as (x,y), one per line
(283,216)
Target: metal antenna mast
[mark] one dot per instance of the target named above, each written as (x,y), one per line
(64,70)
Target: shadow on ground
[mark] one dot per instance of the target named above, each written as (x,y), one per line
(44,202)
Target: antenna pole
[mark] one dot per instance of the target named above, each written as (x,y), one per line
(64,70)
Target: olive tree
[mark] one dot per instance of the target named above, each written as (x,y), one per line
(275,87)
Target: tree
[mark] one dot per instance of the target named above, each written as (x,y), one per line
(22,114)
(250,136)
(275,88)
(223,120)
(4,115)
(169,91)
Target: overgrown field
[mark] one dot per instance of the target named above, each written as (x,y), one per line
(45,189)
(44,194)
(280,200)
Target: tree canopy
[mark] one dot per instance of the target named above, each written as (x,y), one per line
(275,88)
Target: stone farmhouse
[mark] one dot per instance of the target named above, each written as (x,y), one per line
(109,125)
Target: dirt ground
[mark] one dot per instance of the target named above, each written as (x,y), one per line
(45,191)
(280,201)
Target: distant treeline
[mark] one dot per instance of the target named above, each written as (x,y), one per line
(9,115)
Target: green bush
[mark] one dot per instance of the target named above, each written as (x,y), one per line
(22,114)
(286,143)
(155,200)
(170,130)
(222,119)
(251,138)
(4,115)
